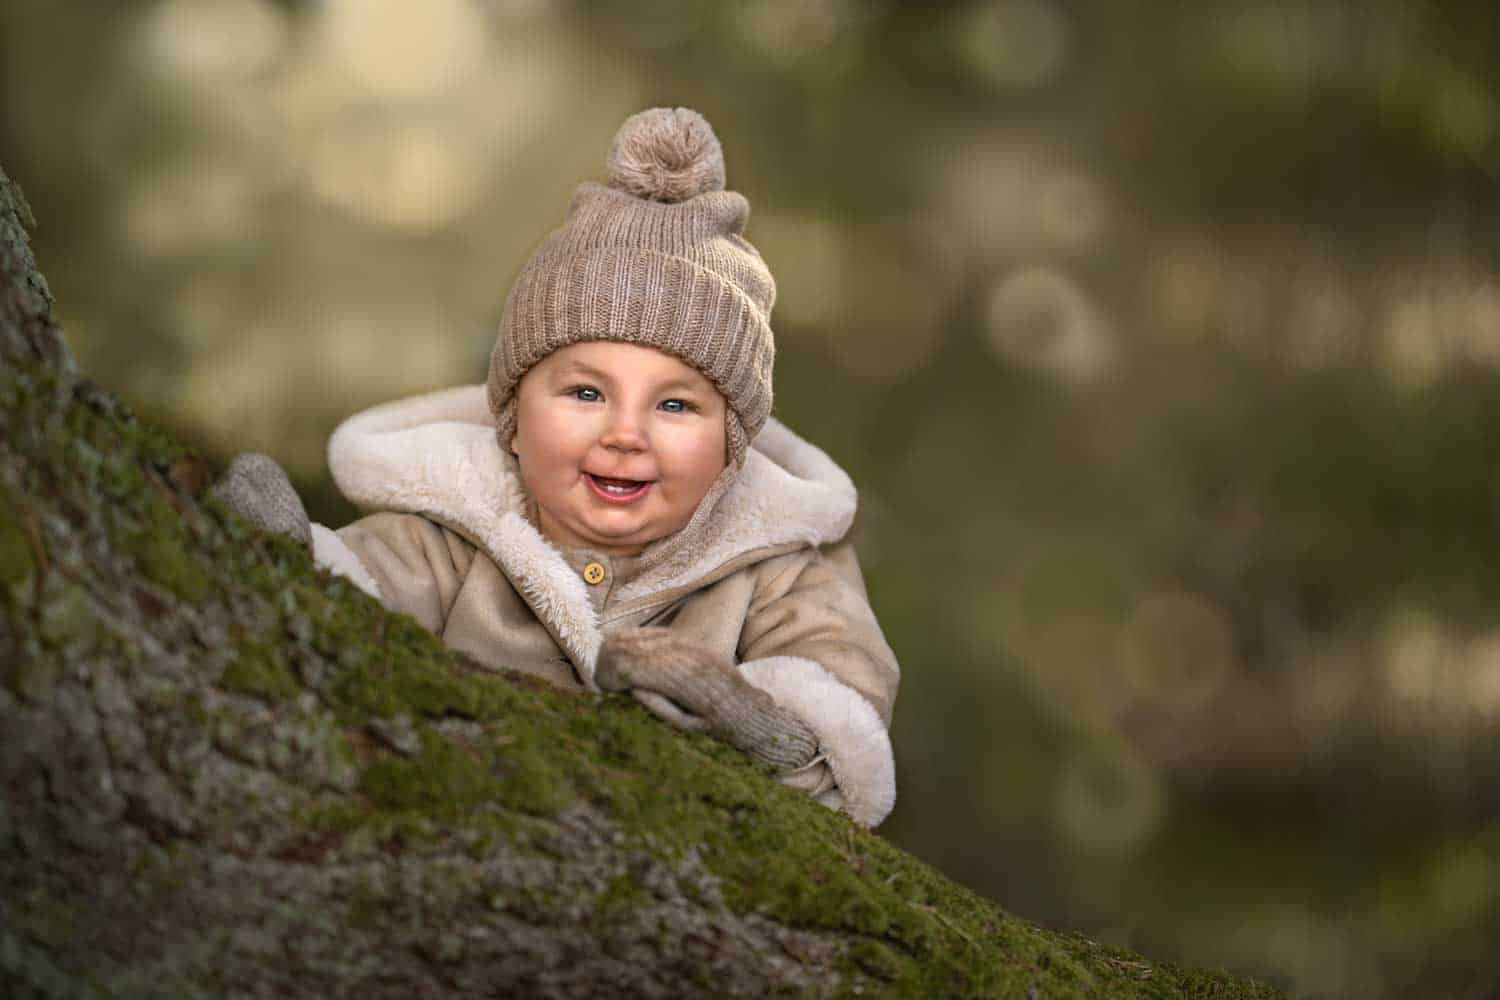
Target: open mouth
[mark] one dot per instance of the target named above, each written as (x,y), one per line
(617,490)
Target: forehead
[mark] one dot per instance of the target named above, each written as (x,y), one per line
(622,361)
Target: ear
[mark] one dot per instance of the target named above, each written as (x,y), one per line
(505,426)
(736,442)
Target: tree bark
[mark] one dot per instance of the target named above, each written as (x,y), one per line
(228,774)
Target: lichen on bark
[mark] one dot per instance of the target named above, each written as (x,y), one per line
(227,773)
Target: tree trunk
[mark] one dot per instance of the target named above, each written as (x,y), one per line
(226,773)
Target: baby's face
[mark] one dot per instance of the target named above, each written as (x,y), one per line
(617,444)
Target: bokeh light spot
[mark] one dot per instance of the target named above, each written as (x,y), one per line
(1039,318)
(1006,192)
(1017,43)
(1483,668)
(1107,803)
(857,288)
(1483,322)
(788,30)
(1182,284)
(1462,879)
(414,177)
(1177,649)
(402,51)
(1323,329)
(1411,354)
(198,205)
(1277,45)
(210,40)
(1464,118)
(1413,645)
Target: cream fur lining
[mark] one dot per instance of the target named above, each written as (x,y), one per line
(557,594)
(333,554)
(850,733)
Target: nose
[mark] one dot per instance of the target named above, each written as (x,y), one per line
(624,432)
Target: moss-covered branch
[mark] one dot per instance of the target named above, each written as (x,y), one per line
(226,773)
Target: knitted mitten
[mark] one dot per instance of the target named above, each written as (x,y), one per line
(668,673)
(257,489)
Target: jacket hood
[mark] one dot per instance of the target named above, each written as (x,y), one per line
(438,455)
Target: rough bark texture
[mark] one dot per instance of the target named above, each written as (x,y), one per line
(227,774)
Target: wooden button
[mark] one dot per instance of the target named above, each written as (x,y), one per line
(594,572)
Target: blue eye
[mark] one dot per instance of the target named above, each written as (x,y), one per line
(585,393)
(676,406)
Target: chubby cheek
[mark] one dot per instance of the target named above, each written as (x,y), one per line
(548,457)
(696,462)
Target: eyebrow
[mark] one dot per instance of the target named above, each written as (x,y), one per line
(575,368)
(684,383)
(687,385)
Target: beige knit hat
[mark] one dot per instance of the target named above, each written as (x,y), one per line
(655,258)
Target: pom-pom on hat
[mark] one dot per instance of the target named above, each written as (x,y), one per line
(666,155)
(656,258)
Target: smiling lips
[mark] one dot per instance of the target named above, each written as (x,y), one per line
(617,491)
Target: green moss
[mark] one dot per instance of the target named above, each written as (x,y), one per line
(108,457)
(16,562)
(875,959)
(121,477)
(367,906)
(197,711)
(165,553)
(443,778)
(67,617)
(33,675)
(388,665)
(450,781)
(622,895)
(534,780)
(262,671)
(342,816)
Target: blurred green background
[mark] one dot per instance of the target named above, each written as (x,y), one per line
(1162,339)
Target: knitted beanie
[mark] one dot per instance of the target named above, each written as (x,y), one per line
(654,258)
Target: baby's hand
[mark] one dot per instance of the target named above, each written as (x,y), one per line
(685,683)
(257,489)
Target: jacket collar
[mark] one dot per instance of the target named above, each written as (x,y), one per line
(437,455)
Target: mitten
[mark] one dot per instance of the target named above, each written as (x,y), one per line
(257,489)
(690,686)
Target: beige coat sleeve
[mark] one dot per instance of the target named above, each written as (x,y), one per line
(811,641)
(415,565)
(813,604)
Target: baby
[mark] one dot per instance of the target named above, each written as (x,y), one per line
(616,509)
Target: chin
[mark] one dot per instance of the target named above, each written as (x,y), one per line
(604,535)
